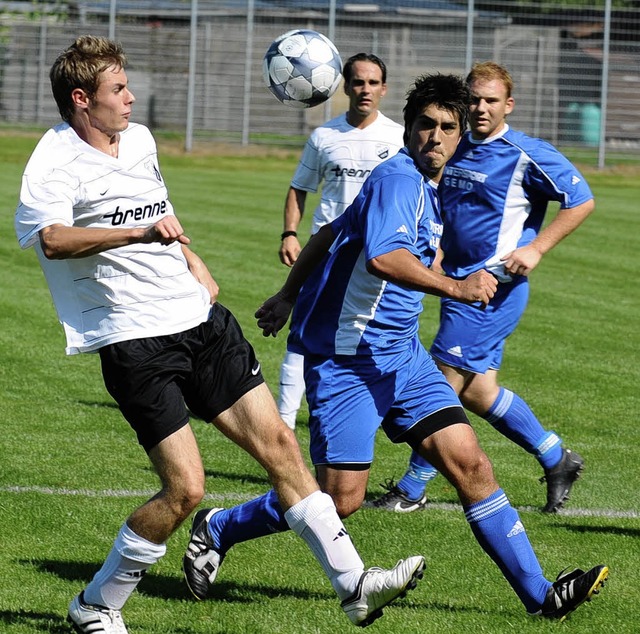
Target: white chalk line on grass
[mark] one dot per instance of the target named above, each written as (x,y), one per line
(243,497)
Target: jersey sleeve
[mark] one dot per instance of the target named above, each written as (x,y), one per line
(44,201)
(390,221)
(551,176)
(308,174)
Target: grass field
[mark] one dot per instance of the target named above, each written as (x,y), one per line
(70,469)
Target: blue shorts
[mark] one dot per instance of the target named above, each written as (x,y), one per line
(349,398)
(473,339)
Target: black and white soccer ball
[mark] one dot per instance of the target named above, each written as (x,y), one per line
(302,68)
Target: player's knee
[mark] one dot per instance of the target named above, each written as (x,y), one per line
(476,475)
(347,501)
(185,495)
(480,468)
(284,441)
(280,452)
(346,506)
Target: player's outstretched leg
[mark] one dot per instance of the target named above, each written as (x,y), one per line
(363,592)
(560,479)
(571,590)
(90,619)
(378,588)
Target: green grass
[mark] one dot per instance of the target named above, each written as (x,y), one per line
(64,445)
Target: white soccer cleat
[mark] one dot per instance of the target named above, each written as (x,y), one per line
(93,619)
(379,587)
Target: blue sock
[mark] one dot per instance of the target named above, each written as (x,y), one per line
(256,518)
(414,481)
(513,418)
(498,529)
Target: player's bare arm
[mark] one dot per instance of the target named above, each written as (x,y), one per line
(293,211)
(274,313)
(523,260)
(403,268)
(60,241)
(200,271)
(436,265)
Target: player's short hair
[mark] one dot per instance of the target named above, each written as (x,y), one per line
(79,66)
(448,92)
(488,71)
(347,69)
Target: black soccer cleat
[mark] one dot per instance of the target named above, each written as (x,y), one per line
(395,500)
(201,561)
(560,479)
(571,590)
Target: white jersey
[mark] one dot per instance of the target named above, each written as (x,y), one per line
(341,157)
(135,291)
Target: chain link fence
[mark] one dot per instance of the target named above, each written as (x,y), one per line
(196,67)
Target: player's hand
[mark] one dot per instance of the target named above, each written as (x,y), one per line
(479,287)
(166,231)
(522,261)
(273,315)
(289,250)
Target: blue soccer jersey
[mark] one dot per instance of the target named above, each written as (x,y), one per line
(344,309)
(494,196)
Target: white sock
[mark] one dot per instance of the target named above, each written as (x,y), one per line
(291,387)
(316,521)
(124,567)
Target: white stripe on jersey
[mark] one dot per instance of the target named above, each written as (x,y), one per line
(363,293)
(516,211)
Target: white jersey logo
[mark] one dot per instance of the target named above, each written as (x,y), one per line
(456,351)
(402,229)
(575,180)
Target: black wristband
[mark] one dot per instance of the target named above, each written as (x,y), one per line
(287,234)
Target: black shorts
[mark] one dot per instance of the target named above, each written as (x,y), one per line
(205,369)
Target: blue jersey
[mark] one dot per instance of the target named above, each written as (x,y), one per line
(494,196)
(344,309)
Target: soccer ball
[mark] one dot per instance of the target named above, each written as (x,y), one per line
(302,68)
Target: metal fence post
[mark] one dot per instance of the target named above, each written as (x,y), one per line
(193,42)
(606,44)
(246,97)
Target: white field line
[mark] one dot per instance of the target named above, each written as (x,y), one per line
(241,497)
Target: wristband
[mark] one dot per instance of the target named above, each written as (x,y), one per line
(287,234)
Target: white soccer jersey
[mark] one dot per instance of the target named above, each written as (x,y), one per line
(341,157)
(139,290)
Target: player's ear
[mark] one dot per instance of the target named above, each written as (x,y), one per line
(384,90)
(511,102)
(79,98)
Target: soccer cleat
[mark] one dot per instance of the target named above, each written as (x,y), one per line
(395,500)
(560,479)
(93,619)
(378,587)
(201,562)
(571,590)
